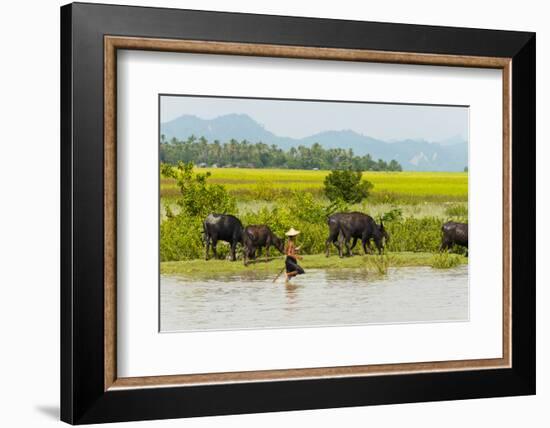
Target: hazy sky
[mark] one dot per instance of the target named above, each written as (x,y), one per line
(299,119)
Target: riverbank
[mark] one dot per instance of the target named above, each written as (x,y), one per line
(316,261)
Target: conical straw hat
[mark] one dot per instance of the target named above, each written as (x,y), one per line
(292,232)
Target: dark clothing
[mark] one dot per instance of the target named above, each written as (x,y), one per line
(292,265)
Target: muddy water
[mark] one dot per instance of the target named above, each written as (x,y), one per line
(319,298)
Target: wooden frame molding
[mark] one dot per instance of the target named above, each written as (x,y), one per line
(113,43)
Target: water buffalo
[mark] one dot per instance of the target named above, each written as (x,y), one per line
(257,236)
(222,227)
(454,233)
(345,226)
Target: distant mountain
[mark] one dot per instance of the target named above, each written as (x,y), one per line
(413,155)
(451,141)
(223,128)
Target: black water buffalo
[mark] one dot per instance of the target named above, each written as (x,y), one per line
(345,226)
(454,233)
(222,227)
(257,236)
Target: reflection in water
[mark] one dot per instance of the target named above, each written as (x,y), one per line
(319,298)
(291,293)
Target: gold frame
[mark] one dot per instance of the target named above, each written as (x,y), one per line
(113,43)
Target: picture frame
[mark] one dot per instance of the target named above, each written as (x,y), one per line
(91,391)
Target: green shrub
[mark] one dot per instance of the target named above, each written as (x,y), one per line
(197,196)
(414,234)
(347,186)
(181,238)
(395,214)
(181,233)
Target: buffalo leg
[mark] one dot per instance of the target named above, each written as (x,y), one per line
(250,253)
(348,247)
(378,243)
(233,250)
(369,248)
(340,245)
(366,245)
(347,238)
(207,247)
(214,248)
(354,243)
(246,251)
(331,240)
(333,236)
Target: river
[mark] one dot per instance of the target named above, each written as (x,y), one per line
(319,298)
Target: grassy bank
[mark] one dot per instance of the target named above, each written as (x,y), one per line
(256,196)
(315,261)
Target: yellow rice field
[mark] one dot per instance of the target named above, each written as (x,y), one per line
(407,186)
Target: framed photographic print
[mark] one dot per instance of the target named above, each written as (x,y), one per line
(265,213)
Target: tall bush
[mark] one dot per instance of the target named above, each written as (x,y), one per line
(197,196)
(181,233)
(347,186)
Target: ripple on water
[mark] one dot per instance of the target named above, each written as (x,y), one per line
(319,298)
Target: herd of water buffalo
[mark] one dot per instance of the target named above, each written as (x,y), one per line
(344,229)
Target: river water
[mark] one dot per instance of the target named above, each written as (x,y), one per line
(319,298)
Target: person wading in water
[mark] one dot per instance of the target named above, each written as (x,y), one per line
(291,250)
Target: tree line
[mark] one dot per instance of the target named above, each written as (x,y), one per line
(244,154)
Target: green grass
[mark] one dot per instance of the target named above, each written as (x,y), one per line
(457,210)
(419,210)
(446,260)
(380,263)
(389,187)
(316,261)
